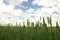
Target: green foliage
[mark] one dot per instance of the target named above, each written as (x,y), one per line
(36,31)
(28,33)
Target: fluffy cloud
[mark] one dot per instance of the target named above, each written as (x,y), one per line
(30,10)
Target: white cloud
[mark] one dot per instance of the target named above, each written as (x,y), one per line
(4,8)
(30,10)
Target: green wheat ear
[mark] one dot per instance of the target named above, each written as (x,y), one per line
(44,24)
(28,23)
(48,20)
(32,24)
(57,25)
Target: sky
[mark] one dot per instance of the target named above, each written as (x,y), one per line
(12,11)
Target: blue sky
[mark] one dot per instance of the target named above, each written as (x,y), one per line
(21,10)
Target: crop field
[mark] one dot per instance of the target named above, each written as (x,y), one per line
(30,32)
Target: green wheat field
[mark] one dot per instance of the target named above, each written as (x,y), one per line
(38,31)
